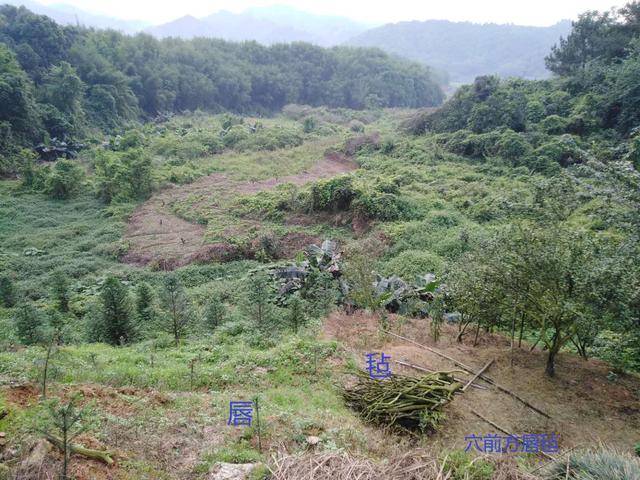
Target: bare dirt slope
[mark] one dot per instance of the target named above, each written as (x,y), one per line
(586,405)
(156,235)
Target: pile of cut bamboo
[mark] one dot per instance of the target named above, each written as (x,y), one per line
(413,403)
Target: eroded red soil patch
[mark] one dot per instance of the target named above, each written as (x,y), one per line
(155,235)
(22,395)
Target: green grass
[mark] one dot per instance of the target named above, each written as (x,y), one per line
(223,360)
(38,235)
(297,395)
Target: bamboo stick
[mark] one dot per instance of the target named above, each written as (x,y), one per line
(473,379)
(424,369)
(104,457)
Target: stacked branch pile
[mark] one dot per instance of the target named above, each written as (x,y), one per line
(413,403)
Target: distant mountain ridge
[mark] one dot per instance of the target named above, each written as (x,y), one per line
(70,15)
(463,50)
(267,25)
(466,50)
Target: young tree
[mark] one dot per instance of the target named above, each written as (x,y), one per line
(117,325)
(544,278)
(7,291)
(359,275)
(29,324)
(60,290)
(64,180)
(145,308)
(63,90)
(258,299)
(177,308)
(295,314)
(68,421)
(475,289)
(54,336)
(215,313)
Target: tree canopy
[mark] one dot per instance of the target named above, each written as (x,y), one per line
(63,79)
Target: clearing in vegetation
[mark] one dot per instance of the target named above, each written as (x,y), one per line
(157,234)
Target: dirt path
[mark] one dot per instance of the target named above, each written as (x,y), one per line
(155,235)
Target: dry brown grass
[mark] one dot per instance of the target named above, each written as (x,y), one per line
(340,466)
(410,466)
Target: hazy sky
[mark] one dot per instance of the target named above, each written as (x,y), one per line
(521,12)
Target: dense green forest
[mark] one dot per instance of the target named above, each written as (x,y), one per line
(61,81)
(465,50)
(193,254)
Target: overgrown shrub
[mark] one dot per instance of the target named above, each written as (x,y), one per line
(7,291)
(123,176)
(335,194)
(65,180)
(309,124)
(513,147)
(554,125)
(356,126)
(29,323)
(621,350)
(562,150)
(235,135)
(376,199)
(411,263)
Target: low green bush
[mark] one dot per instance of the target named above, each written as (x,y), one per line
(65,180)
(562,150)
(462,466)
(411,263)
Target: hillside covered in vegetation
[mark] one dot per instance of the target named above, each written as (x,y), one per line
(63,82)
(175,264)
(465,50)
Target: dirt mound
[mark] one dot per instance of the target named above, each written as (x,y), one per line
(156,236)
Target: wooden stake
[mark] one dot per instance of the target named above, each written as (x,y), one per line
(474,378)
(470,370)
(256,402)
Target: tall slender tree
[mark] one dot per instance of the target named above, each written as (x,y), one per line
(177,308)
(116,312)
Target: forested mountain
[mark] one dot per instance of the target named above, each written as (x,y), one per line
(466,50)
(581,130)
(232,27)
(266,25)
(327,30)
(58,81)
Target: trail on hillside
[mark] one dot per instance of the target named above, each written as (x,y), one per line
(156,235)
